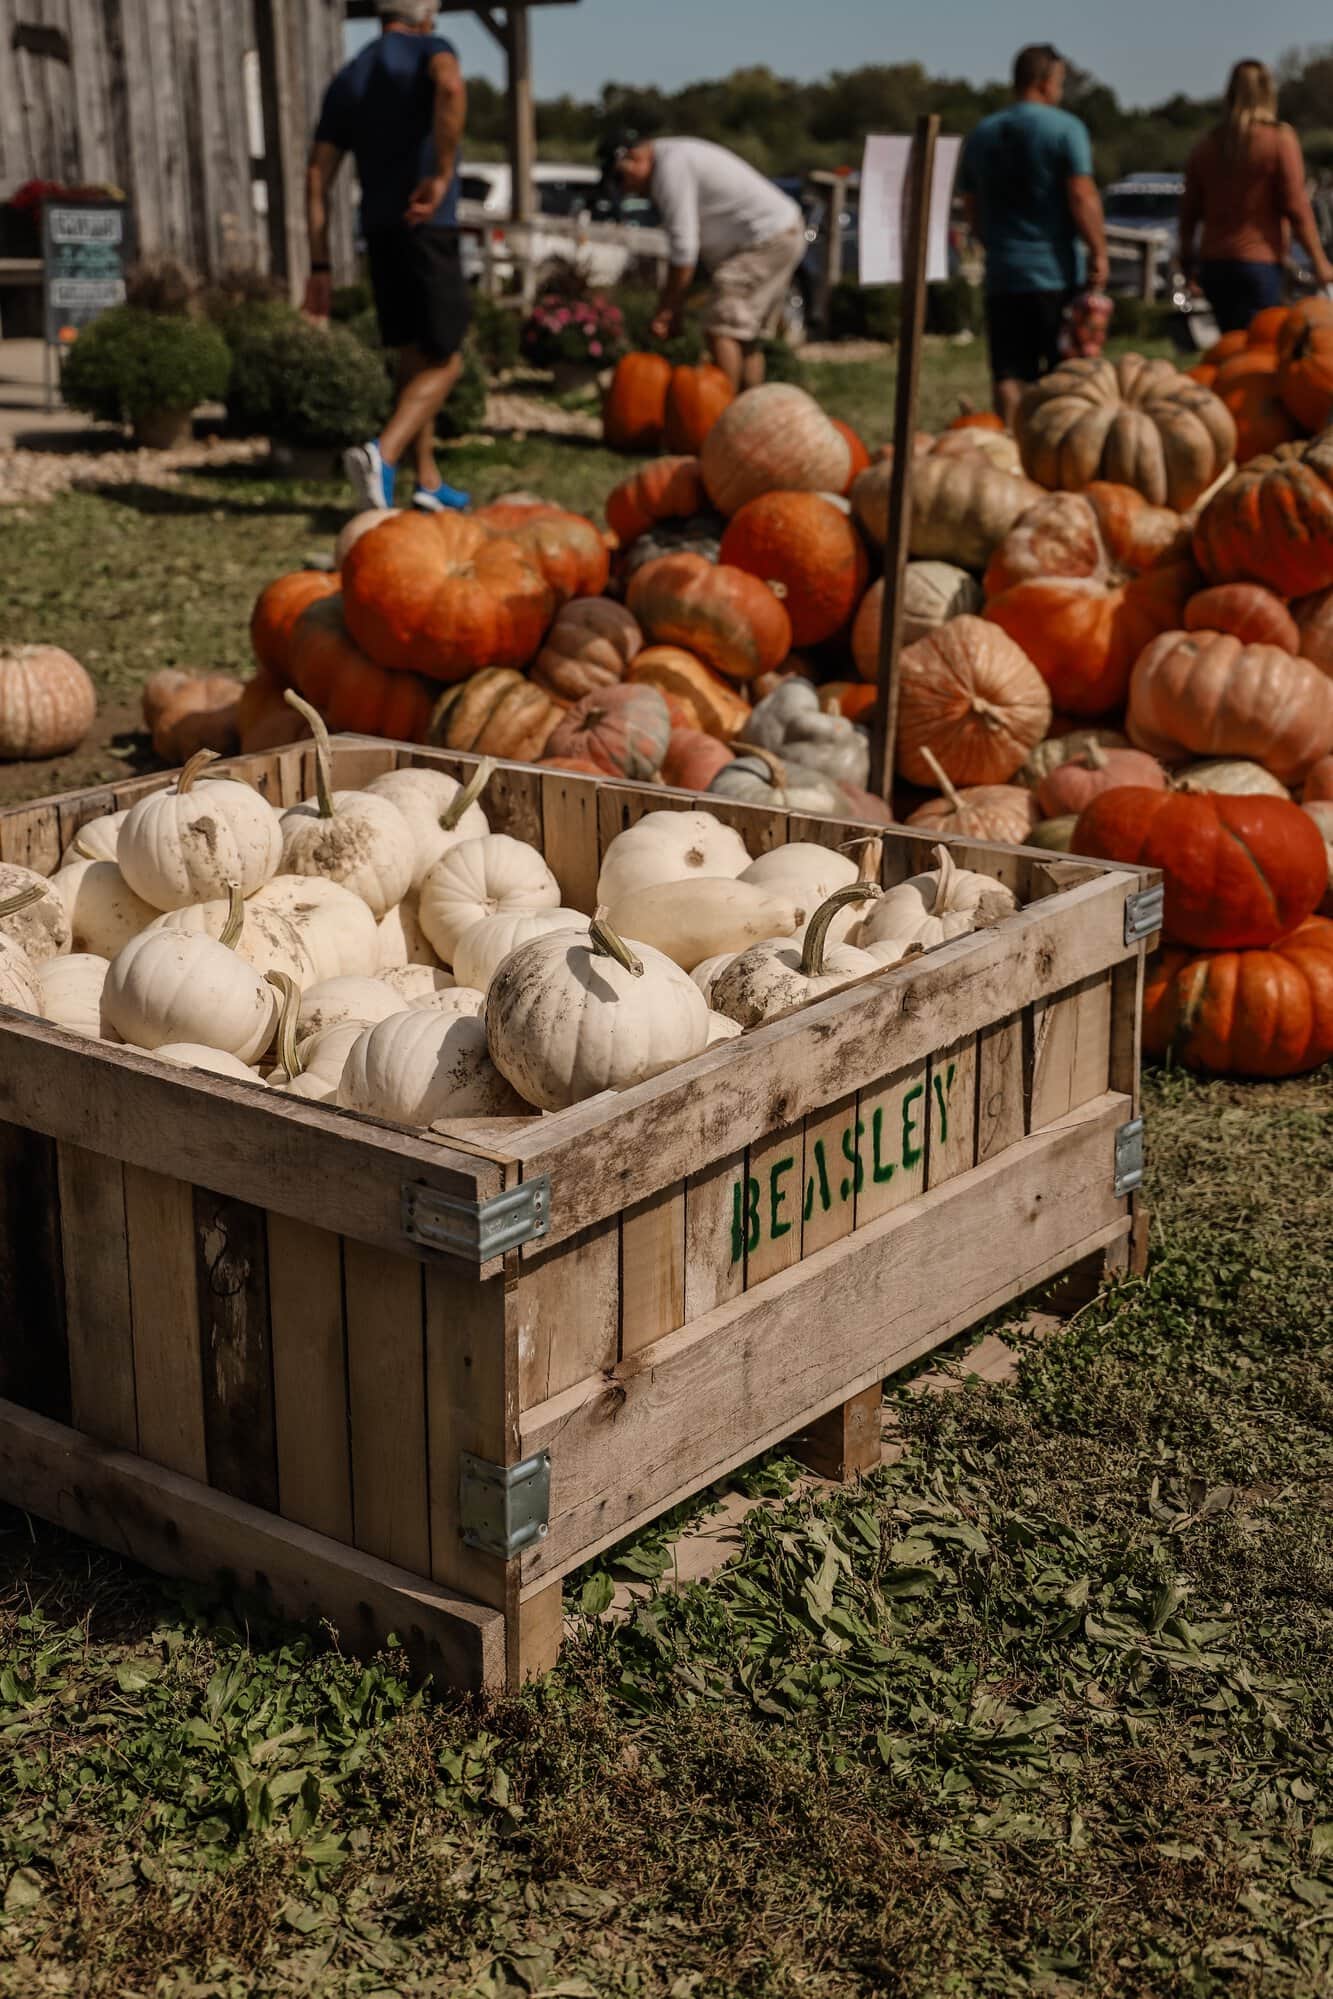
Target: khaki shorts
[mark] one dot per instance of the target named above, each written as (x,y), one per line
(749,288)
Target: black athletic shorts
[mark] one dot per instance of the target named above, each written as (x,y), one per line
(421,296)
(1024,333)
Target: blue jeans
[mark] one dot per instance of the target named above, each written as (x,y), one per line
(1237,291)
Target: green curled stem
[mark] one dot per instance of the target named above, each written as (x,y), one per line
(816,930)
(607,944)
(190,771)
(230,933)
(323,751)
(468,796)
(289,1060)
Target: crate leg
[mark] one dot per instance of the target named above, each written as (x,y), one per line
(847,1439)
(1126,1256)
(541,1627)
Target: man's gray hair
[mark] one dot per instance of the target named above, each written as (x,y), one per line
(415,12)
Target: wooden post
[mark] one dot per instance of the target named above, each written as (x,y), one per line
(1149,284)
(522,119)
(884,721)
(831,271)
(280,131)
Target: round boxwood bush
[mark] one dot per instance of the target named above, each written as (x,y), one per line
(130,364)
(306,385)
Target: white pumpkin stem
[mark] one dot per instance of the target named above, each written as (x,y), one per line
(869,859)
(942,778)
(468,796)
(288,1059)
(23,900)
(816,930)
(198,762)
(76,846)
(607,944)
(947,869)
(323,751)
(230,933)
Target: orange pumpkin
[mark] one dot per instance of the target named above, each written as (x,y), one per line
(566,547)
(1079,779)
(1305,363)
(695,401)
(970,702)
(1245,1013)
(734,623)
(623,730)
(441,595)
(277,608)
(671,489)
(1004,812)
(1248,385)
(185,712)
(1273,523)
(634,413)
(264,721)
(1224,347)
(496,713)
(970,419)
(1246,610)
(773,439)
(349,690)
(852,698)
(1204,694)
(1318,784)
(860,454)
(693,759)
(590,645)
(705,699)
(1082,582)
(1314,624)
(1267,326)
(811,548)
(577,766)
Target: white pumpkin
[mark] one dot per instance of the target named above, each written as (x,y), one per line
(351,837)
(805,872)
(705,972)
(694,920)
(185,844)
(401,940)
(71,989)
(440,812)
(492,876)
(103,910)
(772,978)
(18,975)
(934,592)
(320,1061)
(31,915)
(669,847)
(269,940)
(331,1001)
(414,982)
(167,986)
(579,1012)
(721,1028)
(465,1001)
(483,948)
(946,902)
(97,839)
(1233,775)
(197,1055)
(419,1066)
(334,925)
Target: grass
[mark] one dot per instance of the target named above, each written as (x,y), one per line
(1044,1708)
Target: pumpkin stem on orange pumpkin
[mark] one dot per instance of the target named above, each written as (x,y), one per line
(190,771)
(23,900)
(942,778)
(468,795)
(290,993)
(816,930)
(323,751)
(607,944)
(230,933)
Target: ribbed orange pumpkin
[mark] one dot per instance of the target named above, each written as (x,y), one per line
(858,449)
(183,712)
(970,419)
(1314,624)
(803,542)
(1246,610)
(707,700)
(576,766)
(1318,782)
(326,665)
(1224,347)
(441,595)
(773,439)
(852,698)
(47,701)
(693,759)
(1267,326)
(623,730)
(1244,1013)
(735,623)
(277,608)
(1273,523)
(1305,363)
(971,698)
(590,645)
(566,547)
(1079,779)
(1205,694)
(634,413)
(1005,812)
(497,713)
(695,401)
(1248,385)
(671,489)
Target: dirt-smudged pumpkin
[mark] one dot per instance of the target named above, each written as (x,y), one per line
(1273,523)
(497,713)
(566,547)
(773,439)
(1244,1013)
(1248,612)
(634,413)
(695,401)
(1204,694)
(439,594)
(278,606)
(703,698)
(1134,422)
(970,701)
(623,730)
(326,665)
(732,621)
(667,490)
(811,548)
(1239,871)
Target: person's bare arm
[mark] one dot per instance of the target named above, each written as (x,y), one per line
(1085,206)
(1296,203)
(671,304)
(449,119)
(323,165)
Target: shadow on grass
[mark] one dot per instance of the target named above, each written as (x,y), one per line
(240,489)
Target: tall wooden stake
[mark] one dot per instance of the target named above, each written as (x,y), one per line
(884,721)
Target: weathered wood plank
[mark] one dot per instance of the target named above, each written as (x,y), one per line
(652,1269)
(774,1199)
(891,1123)
(386,1386)
(231,1261)
(34,1358)
(472,1377)
(834,1175)
(569,838)
(567,1307)
(99,1326)
(305,1292)
(1000,1103)
(846,1440)
(168,1377)
(953,1111)
(714,1235)
(30,837)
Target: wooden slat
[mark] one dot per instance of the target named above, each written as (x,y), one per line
(569,838)
(835,1169)
(182,1528)
(305,1292)
(34,1359)
(1070,1049)
(846,1440)
(30,837)
(168,1379)
(705,1398)
(97,1297)
(514,803)
(714,1241)
(776,1197)
(231,1261)
(1000,1104)
(386,1384)
(1126,1026)
(472,1405)
(652,1269)
(893,1136)
(952,1115)
(1092,1053)
(567,1307)
(356,764)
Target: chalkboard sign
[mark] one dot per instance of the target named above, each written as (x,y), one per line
(84,246)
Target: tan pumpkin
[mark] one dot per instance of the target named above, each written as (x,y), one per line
(185,712)
(710,703)
(623,730)
(933,593)
(47,702)
(1204,694)
(592,644)
(496,713)
(772,439)
(974,699)
(1236,776)
(695,400)
(1002,812)
(1073,783)
(1134,422)
(962,508)
(1314,627)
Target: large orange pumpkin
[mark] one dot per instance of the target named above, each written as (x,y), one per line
(1314,624)
(695,401)
(971,698)
(623,730)
(634,413)
(704,698)
(1245,1013)
(1248,385)
(1204,694)
(277,608)
(1267,326)
(670,489)
(497,713)
(734,623)
(1240,871)
(1305,363)
(970,419)
(1083,581)
(852,698)
(811,548)
(566,547)
(441,595)
(1005,812)
(858,449)
(773,439)
(264,721)
(693,759)
(326,665)
(1273,523)
(1246,610)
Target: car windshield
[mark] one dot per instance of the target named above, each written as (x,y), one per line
(565,197)
(473,188)
(1142,209)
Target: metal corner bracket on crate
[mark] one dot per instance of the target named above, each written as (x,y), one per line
(1143,912)
(503,1509)
(1128,1157)
(476,1230)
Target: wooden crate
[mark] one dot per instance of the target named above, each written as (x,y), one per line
(221,1349)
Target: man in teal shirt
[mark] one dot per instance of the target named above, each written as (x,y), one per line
(1027,181)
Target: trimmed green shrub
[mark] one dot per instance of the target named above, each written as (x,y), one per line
(131,363)
(783,363)
(350,301)
(954,307)
(307,385)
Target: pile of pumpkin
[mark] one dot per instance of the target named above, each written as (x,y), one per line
(385,952)
(1276,378)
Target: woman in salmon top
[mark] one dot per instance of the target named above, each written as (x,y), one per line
(1245,184)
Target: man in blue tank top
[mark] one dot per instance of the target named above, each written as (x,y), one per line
(1027,180)
(399,109)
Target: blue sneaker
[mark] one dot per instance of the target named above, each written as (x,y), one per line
(370,476)
(440,499)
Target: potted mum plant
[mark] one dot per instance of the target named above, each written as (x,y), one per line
(575,337)
(150,370)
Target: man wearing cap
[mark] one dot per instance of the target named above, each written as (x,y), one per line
(399,108)
(720,212)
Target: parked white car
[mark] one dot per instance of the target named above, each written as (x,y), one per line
(570,192)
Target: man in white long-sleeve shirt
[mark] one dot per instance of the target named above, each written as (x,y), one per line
(720,213)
